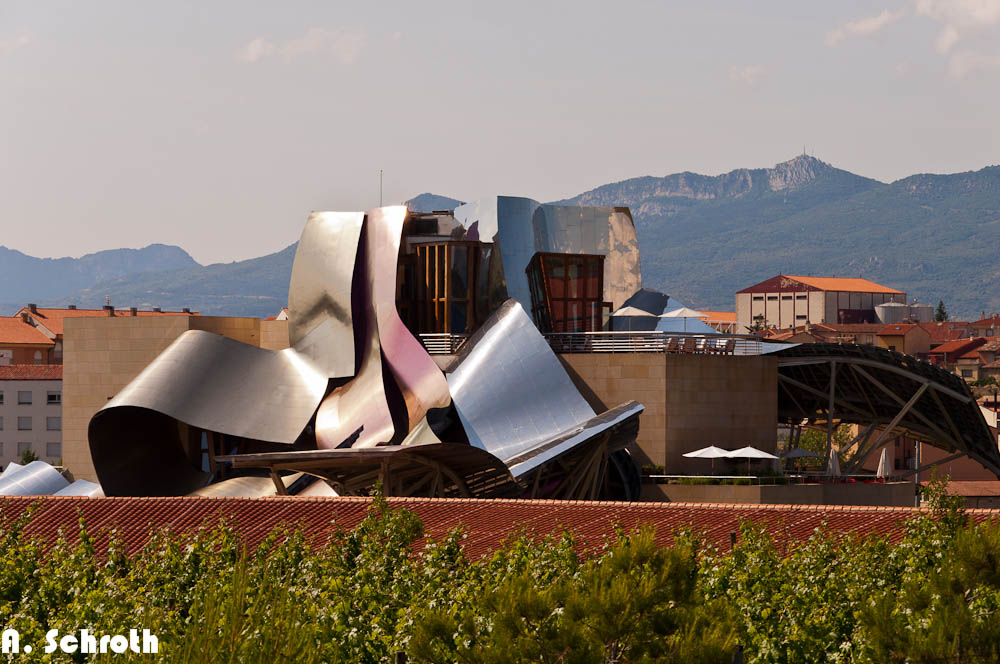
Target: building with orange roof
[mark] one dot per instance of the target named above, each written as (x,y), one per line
(948,354)
(988,326)
(22,343)
(786,301)
(49,321)
(907,338)
(723,321)
(945,331)
(30,411)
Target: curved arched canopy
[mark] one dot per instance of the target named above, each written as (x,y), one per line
(885,390)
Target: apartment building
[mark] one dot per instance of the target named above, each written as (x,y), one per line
(30,411)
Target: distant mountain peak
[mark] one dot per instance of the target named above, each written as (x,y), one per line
(428,202)
(796,172)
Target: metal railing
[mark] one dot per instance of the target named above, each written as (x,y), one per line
(654,342)
(442,343)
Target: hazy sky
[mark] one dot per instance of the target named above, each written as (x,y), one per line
(219,125)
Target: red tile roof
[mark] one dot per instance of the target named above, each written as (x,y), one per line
(959,346)
(945,331)
(895,330)
(992,321)
(53,319)
(31,372)
(487,523)
(16,331)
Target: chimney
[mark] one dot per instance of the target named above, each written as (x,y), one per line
(109,309)
(32,307)
(25,317)
(186,310)
(132,311)
(157,309)
(72,307)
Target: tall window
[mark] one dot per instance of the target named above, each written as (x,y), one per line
(24,423)
(567,292)
(24,398)
(444,286)
(53,424)
(54,397)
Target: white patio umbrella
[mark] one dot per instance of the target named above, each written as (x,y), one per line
(883,464)
(632,311)
(683,312)
(711,452)
(686,313)
(748,453)
(833,464)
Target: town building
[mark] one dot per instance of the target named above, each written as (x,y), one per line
(787,301)
(944,331)
(30,412)
(907,338)
(22,343)
(50,320)
(948,354)
(988,326)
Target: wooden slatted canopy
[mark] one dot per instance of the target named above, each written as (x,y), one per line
(887,391)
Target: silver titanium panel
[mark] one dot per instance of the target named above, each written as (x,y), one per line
(421,382)
(360,406)
(10,470)
(35,479)
(82,488)
(547,450)
(244,487)
(320,324)
(521,227)
(510,390)
(215,383)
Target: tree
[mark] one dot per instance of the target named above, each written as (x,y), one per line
(940,314)
(27,457)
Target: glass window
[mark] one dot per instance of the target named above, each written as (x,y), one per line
(38,357)
(758,298)
(1,424)
(1,449)
(54,397)
(1,397)
(24,423)
(53,450)
(24,398)
(786,297)
(23,447)
(53,424)
(772,298)
(459,273)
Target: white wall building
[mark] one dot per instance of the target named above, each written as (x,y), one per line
(30,411)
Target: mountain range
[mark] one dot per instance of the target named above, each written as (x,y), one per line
(701,239)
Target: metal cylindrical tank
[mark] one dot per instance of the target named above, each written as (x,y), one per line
(921,313)
(891,313)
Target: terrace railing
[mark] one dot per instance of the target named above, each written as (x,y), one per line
(654,342)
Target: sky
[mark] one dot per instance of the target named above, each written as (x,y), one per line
(218,126)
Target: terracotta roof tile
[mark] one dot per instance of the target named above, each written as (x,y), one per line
(15,331)
(845,284)
(945,331)
(487,523)
(31,372)
(896,329)
(959,346)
